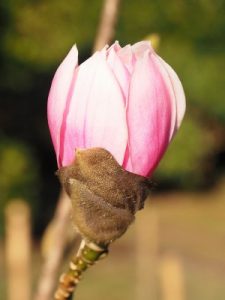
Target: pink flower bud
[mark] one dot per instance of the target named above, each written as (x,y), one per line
(126,100)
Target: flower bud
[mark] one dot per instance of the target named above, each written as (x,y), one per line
(126,100)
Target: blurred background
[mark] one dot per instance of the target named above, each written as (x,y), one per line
(182,231)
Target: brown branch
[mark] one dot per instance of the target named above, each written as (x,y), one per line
(58,240)
(60,221)
(106,28)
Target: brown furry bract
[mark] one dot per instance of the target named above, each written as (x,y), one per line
(105,197)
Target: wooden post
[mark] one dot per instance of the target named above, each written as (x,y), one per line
(147,228)
(18,250)
(171,278)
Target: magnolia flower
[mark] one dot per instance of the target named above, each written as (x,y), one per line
(127,100)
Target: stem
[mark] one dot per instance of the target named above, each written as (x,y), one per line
(88,254)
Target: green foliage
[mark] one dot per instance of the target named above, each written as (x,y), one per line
(44,31)
(185,161)
(19,176)
(201,74)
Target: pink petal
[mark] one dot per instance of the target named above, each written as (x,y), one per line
(96,115)
(148,115)
(127,57)
(168,84)
(116,47)
(140,48)
(178,93)
(104,50)
(120,72)
(59,95)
